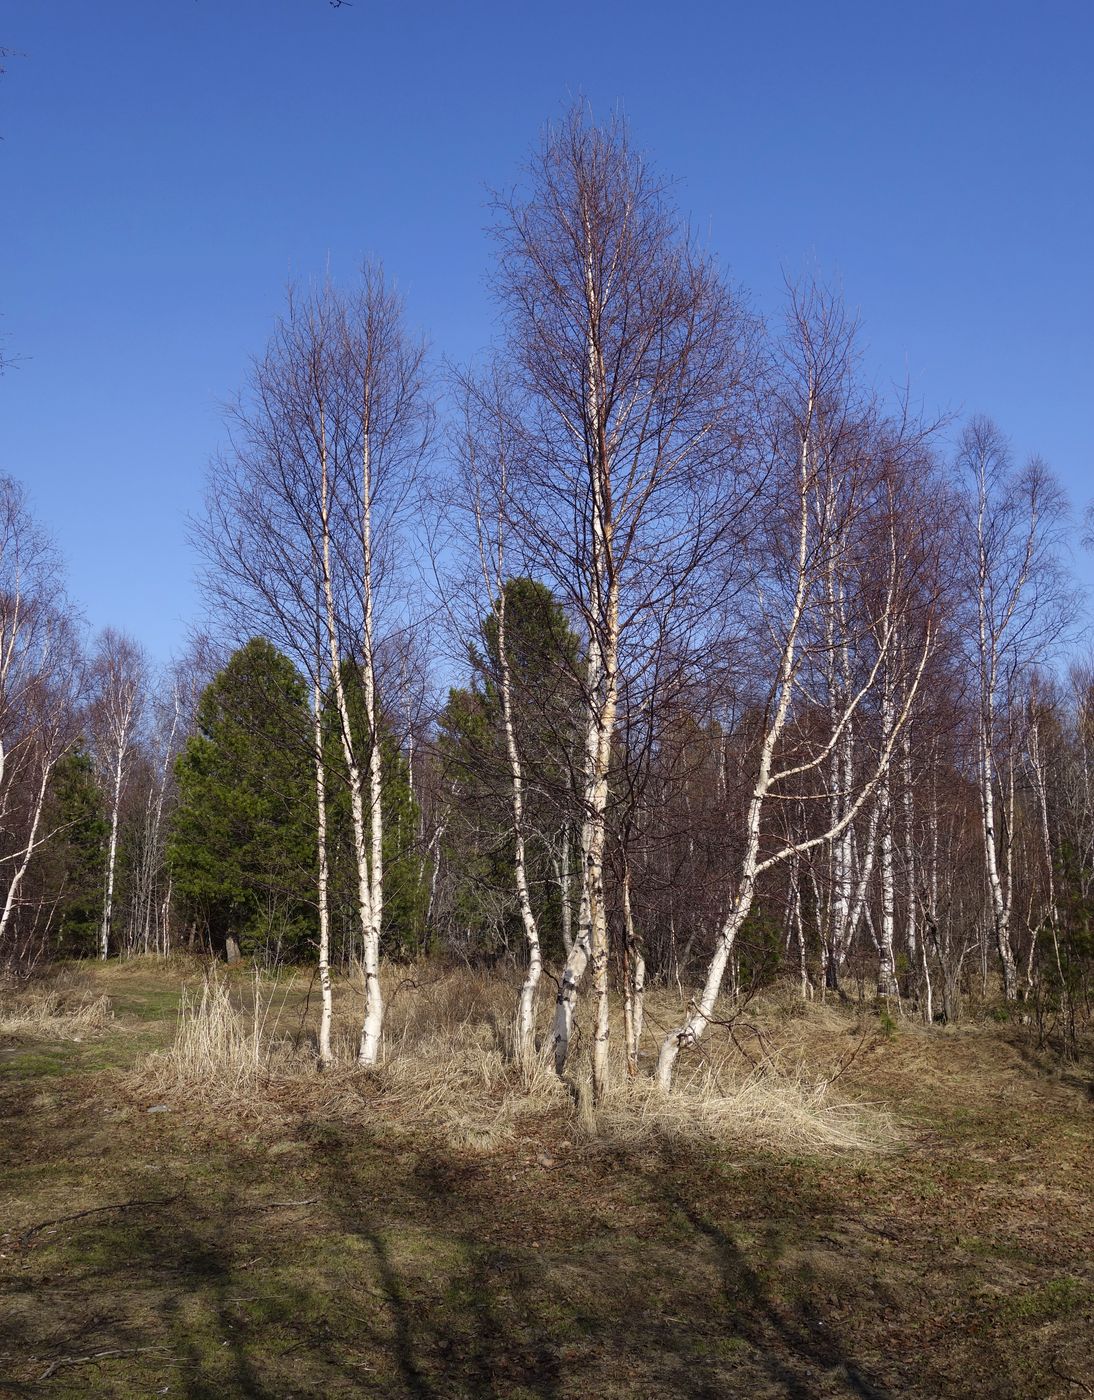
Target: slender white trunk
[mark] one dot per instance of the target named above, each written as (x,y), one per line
(752,867)
(164,932)
(353,771)
(910,874)
(28,850)
(798,929)
(886,977)
(1040,783)
(525,1037)
(866,870)
(112,853)
(372,1029)
(591,941)
(634,979)
(928,991)
(990,630)
(562,868)
(326,1058)
(696,1024)
(595,866)
(999,902)
(591,944)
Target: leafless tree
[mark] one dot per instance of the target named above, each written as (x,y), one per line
(630,368)
(118,676)
(820,513)
(304,533)
(1013,522)
(40,670)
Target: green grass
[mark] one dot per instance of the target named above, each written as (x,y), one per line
(1058,1298)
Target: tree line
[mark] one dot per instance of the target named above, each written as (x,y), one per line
(654,646)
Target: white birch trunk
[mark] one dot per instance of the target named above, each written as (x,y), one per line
(353,771)
(525,1037)
(886,977)
(634,979)
(1040,783)
(372,1029)
(910,876)
(27,852)
(1000,905)
(696,1024)
(752,867)
(112,853)
(562,869)
(326,1058)
(591,943)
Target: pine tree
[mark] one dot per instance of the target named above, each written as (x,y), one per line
(543,652)
(242,846)
(72,862)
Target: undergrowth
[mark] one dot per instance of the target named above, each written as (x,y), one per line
(243,1049)
(53,1014)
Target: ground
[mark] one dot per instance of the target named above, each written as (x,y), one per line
(307,1254)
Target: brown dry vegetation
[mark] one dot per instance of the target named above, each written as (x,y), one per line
(921,1225)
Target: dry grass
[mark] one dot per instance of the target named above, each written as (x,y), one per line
(784,1112)
(56,1013)
(448,1068)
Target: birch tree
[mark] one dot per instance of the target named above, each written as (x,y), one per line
(627,357)
(40,672)
(821,498)
(118,671)
(304,532)
(1012,527)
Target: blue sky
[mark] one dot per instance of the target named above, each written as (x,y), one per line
(168,165)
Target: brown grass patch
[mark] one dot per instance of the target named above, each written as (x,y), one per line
(448,1068)
(54,1013)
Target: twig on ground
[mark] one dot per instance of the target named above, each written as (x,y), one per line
(284,1205)
(848,1060)
(1072,1380)
(94,1210)
(106,1355)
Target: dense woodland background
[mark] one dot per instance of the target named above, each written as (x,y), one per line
(657,647)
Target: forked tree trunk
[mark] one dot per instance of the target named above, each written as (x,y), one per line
(591,942)
(698,1020)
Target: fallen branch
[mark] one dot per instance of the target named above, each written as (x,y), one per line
(284,1205)
(848,1058)
(1073,1380)
(25,1237)
(106,1355)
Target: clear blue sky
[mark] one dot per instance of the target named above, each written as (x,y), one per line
(167,165)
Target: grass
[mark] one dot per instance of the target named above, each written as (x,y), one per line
(52,1014)
(448,1065)
(439,1229)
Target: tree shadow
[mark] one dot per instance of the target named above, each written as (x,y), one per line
(804,1339)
